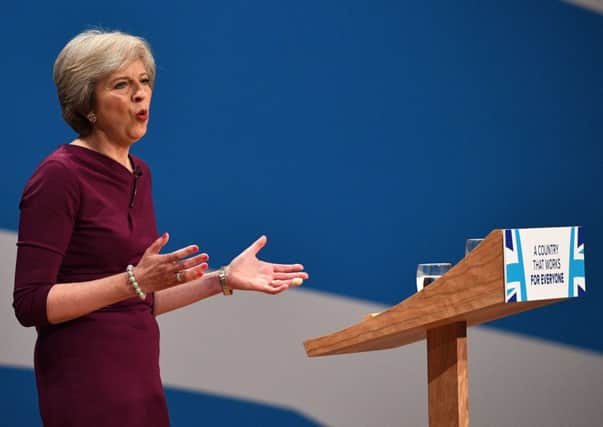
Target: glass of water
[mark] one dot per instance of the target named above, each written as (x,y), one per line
(471,244)
(428,273)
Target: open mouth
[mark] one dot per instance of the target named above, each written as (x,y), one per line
(142,115)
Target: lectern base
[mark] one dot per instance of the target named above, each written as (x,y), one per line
(447,374)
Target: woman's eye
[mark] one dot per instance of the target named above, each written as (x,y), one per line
(145,81)
(121,85)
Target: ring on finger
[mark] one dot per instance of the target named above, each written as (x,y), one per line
(179,276)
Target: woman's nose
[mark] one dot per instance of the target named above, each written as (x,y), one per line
(139,93)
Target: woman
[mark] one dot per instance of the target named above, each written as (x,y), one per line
(90,274)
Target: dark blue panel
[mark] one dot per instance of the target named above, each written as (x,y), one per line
(195,409)
(509,239)
(18,406)
(18,398)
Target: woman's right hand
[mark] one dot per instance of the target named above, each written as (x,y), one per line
(157,271)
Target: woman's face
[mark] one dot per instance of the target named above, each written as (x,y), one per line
(122,104)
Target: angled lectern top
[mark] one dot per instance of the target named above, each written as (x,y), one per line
(474,291)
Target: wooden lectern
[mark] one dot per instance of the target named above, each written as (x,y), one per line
(470,293)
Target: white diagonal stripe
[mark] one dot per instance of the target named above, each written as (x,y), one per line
(249,346)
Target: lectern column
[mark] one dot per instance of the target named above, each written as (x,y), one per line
(447,374)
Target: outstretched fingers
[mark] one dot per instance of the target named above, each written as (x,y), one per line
(156,246)
(287,268)
(177,255)
(256,246)
(159,271)
(193,261)
(191,268)
(193,273)
(287,276)
(187,269)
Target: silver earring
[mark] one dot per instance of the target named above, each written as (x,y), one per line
(91,117)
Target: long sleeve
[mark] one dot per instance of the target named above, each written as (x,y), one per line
(49,208)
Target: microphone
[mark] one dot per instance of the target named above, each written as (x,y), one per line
(137,174)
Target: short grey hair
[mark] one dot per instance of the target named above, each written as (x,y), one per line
(87,58)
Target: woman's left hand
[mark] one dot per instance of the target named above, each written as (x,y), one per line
(247,272)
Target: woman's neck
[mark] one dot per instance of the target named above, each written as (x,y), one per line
(102,145)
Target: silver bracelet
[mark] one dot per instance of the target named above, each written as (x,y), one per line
(134,283)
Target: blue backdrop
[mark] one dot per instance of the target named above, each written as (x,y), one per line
(362,137)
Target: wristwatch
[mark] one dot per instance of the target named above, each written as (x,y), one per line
(226,290)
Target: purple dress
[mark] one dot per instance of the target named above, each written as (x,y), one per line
(84,216)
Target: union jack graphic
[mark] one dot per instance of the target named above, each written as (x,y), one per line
(515,282)
(576,265)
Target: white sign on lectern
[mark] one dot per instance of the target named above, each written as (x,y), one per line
(543,263)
